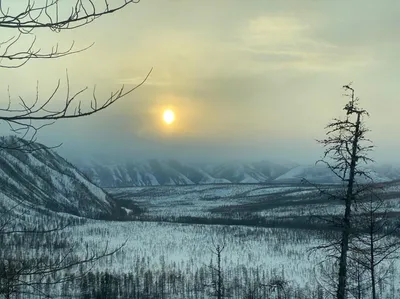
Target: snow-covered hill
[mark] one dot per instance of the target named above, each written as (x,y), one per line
(258,172)
(171,172)
(390,171)
(320,174)
(42,180)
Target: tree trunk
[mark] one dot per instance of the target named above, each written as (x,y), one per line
(341,292)
(359,278)
(219,273)
(372,263)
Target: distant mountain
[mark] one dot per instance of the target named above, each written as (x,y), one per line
(248,172)
(314,174)
(197,175)
(390,171)
(149,173)
(39,179)
(171,172)
(320,174)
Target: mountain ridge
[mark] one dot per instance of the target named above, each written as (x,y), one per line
(37,178)
(173,172)
(155,172)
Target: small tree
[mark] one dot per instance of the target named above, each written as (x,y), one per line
(375,240)
(32,260)
(217,276)
(278,287)
(345,151)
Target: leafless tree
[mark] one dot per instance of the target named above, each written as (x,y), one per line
(25,117)
(20,21)
(278,287)
(218,288)
(346,152)
(375,242)
(27,265)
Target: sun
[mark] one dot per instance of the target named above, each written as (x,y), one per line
(169,116)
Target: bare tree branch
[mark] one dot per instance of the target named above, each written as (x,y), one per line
(345,149)
(47,15)
(26,122)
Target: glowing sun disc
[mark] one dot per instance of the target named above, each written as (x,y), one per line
(169,116)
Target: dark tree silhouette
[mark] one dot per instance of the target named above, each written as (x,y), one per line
(217,283)
(346,152)
(21,272)
(375,239)
(26,117)
(25,271)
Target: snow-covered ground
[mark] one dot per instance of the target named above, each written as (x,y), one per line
(236,201)
(286,253)
(202,200)
(190,245)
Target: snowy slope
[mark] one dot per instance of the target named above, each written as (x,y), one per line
(239,173)
(41,179)
(157,172)
(321,174)
(148,173)
(171,172)
(390,171)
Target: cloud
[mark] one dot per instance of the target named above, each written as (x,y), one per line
(285,42)
(250,78)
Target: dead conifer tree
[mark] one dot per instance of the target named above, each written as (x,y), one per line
(376,239)
(346,150)
(217,276)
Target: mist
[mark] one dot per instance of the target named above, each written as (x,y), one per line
(246,82)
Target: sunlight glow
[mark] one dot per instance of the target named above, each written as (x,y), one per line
(169,116)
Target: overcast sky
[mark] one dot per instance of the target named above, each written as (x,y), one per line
(247,79)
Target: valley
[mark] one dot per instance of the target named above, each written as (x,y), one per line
(267,231)
(165,236)
(199,149)
(164,172)
(261,205)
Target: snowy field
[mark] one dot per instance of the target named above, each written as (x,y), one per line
(185,248)
(209,200)
(282,202)
(187,245)
(283,252)
(251,253)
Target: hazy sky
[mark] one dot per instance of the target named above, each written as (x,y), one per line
(247,79)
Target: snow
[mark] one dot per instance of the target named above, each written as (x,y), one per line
(217,174)
(249,180)
(197,200)
(293,173)
(270,190)
(42,178)
(126,175)
(187,246)
(97,191)
(184,245)
(322,174)
(128,211)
